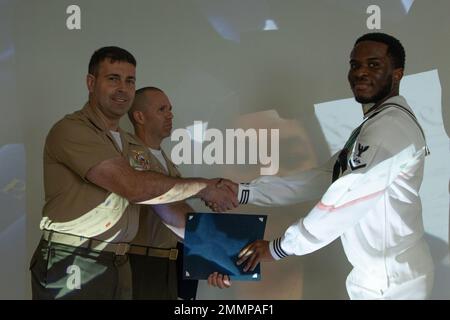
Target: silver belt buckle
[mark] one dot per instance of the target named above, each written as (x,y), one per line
(122,249)
(173,254)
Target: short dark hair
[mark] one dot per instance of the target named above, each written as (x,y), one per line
(113,54)
(137,104)
(144,89)
(395,48)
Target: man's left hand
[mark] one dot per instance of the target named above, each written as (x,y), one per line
(254,253)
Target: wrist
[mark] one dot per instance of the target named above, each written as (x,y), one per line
(243,193)
(206,183)
(276,251)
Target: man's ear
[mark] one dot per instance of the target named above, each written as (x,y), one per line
(398,75)
(90,82)
(138,116)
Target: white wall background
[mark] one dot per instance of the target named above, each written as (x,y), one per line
(217,64)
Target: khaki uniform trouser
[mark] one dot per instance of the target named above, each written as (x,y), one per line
(156,278)
(153,278)
(60,271)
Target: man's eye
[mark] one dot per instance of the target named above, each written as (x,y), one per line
(373,64)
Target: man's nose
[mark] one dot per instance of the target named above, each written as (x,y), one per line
(360,72)
(124,87)
(121,87)
(169,115)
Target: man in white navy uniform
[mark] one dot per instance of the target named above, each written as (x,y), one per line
(369,190)
(90,216)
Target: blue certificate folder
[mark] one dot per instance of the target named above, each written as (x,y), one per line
(212,242)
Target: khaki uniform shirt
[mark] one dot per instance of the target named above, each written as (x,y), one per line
(73,204)
(152,232)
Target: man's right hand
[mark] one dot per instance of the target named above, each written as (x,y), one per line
(219,280)
(220,195)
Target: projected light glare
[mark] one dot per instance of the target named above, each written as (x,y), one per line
(407,4)
(197,131)
(7,53)
(270,25)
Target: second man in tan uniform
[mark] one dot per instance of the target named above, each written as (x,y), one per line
(153,253)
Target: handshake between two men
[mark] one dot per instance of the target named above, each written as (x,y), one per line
(220,195)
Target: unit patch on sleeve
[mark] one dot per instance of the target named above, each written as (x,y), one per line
(361,156)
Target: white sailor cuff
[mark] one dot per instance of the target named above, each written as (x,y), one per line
(244,193)
(275,249)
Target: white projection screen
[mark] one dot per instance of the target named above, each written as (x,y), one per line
(261,64)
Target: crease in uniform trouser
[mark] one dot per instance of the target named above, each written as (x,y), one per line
(418,288)
(102,275)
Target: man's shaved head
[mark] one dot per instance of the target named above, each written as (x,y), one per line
(140,100)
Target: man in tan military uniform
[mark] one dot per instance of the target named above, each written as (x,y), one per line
(88,221)
(154,250)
